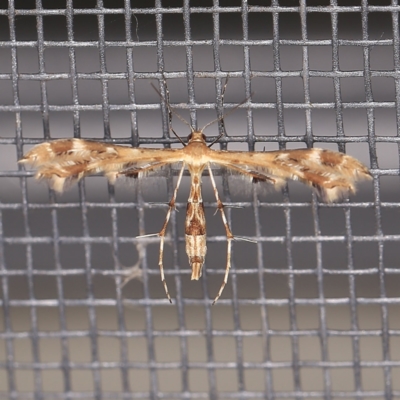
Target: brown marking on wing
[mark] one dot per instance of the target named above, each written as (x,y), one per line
(70,160)
(333,174)
(330,158)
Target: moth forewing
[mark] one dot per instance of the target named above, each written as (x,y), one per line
(333,175)
(65,160)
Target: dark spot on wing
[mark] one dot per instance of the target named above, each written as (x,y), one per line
(261,178)
(130,174)
(258,180)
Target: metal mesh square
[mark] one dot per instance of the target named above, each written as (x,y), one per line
(310,311)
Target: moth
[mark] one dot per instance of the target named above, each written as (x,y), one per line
(61,162)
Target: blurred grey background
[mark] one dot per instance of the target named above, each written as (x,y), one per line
(299,318)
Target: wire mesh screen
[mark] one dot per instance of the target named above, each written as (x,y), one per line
(311,310)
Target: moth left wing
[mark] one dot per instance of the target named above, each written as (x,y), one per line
(331,174)
(66,161)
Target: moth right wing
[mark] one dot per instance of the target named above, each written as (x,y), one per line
(330,173)
(65,161)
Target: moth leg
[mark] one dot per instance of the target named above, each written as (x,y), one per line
(229,235)
(161,234)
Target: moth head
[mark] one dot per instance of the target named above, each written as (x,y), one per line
(196,136)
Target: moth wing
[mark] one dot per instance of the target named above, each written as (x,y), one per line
(333,175)
(66,161)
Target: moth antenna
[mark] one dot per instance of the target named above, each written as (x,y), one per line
(221,118)
(172,111)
